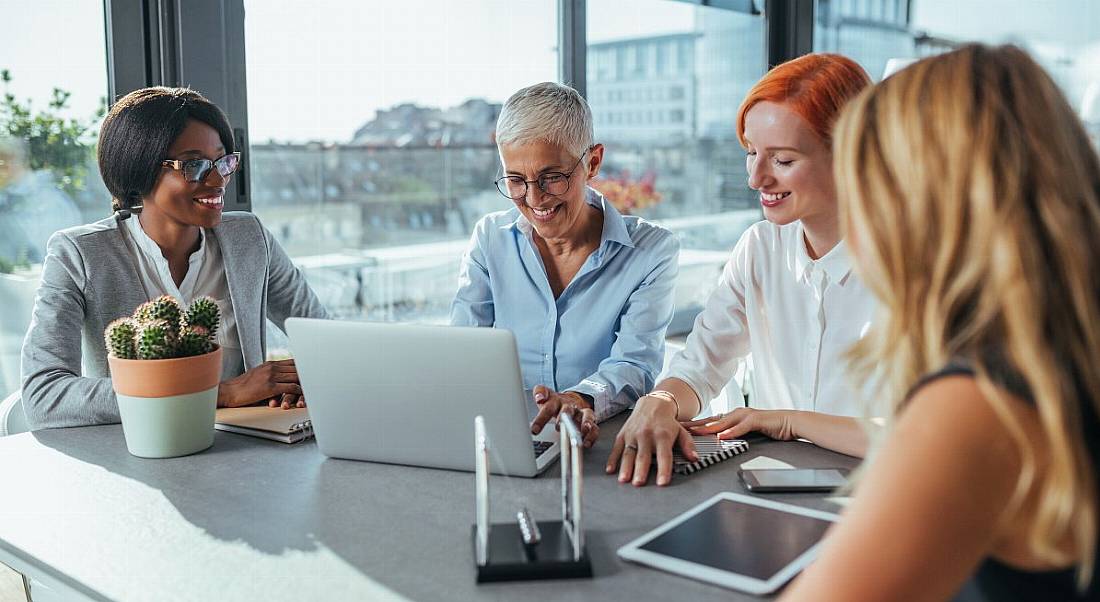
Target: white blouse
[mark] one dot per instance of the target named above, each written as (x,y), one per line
(796,316)
(205,276)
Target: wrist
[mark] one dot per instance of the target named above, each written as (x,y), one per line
(790,424)
(225,394)
(664,399)
(582,400)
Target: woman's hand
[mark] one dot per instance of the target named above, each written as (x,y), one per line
(651,429)
(551,404)
(275,381)
(777,424)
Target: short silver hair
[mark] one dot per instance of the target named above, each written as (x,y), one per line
(546,112)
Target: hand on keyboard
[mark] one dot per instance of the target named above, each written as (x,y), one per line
(552,403)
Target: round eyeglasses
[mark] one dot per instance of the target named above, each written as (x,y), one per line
(196,170)
(553,183)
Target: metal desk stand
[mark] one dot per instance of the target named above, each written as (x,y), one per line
(525,550)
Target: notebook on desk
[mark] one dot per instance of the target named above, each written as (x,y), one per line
(277,424)
(711,450)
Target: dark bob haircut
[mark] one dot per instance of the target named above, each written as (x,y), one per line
(137,132)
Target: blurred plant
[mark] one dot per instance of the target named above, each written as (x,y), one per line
(629,195)
(63,146)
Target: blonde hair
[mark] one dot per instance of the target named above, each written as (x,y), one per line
(971,196)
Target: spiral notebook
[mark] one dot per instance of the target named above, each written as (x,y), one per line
(711,450)
(277,424)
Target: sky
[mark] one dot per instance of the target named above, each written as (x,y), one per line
(319,69)
(332,69)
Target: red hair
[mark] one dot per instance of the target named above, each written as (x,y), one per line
(814,86)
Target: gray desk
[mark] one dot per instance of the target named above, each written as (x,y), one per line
(250,519)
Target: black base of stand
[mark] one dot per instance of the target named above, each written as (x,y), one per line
(551,558)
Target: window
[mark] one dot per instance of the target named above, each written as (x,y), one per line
(371,138)
(1062,35)
(55,70)
(713,58)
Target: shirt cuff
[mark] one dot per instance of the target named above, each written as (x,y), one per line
(600,394)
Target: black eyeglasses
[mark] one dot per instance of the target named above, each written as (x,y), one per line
(553,183)
(196,170)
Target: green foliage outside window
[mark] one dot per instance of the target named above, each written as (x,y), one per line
(63,146)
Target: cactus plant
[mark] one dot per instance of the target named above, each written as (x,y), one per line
(203,312)
(120,338)
(155,340)
(194,340)
(161,329)
(164,307)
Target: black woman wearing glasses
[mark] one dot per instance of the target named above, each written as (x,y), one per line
(587,292)
(166,155)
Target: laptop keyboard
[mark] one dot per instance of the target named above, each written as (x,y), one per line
(541,447)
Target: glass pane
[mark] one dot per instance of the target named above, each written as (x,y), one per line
(1062,35)
(371,153)
(52,97)
(664,86)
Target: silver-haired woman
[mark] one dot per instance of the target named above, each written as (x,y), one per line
(587,292)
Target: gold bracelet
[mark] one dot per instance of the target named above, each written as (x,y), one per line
(665,395)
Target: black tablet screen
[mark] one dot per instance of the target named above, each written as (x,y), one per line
(740,538)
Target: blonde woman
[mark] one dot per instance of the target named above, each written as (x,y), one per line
(972,206)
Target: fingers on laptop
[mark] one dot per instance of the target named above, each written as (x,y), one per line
(287,401)
(549,404)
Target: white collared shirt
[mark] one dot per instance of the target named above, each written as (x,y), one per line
(205,276)
(796,316)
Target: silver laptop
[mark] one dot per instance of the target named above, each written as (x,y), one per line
(408,394)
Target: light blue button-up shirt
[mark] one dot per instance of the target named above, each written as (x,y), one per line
(605,335)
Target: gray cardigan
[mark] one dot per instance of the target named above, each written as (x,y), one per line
(90,278)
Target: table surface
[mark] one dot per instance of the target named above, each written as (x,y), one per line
(255,519)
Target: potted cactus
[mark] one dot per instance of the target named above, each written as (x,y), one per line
(165,369)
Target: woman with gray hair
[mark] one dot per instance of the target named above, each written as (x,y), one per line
(587,292)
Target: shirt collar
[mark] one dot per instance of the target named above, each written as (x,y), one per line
(614,226)
(836,264)
(150,246)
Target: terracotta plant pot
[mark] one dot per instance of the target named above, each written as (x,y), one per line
(167,406)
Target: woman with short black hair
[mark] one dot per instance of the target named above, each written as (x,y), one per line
(166,155)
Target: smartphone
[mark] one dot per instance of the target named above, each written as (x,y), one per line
(792,480)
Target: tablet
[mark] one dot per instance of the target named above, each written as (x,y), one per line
(735,541)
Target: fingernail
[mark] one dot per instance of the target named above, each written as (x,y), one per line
(662,481)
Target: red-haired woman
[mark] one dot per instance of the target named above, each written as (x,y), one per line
(787,295)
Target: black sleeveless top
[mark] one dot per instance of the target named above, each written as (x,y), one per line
(995,580)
